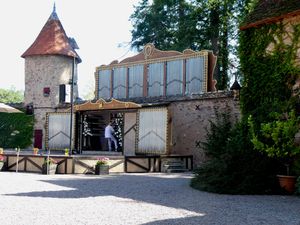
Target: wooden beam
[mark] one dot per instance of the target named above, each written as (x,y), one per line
(270,20)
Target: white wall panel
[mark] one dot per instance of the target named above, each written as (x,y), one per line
(174,77)
(119,83)
(104,84)
(59,130)
(135,83)
(155,79)
(152,130)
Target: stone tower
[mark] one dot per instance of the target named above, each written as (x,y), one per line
(49,64)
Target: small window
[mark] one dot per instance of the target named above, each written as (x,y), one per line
(46,91)
(64,93)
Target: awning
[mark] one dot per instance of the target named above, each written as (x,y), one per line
(101,104)
(8,109)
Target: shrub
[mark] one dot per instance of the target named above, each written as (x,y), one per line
(233,167)
(16,130)
(298,186)
(277,138)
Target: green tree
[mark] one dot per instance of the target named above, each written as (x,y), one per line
(165,23)
(182,24)
(11,95)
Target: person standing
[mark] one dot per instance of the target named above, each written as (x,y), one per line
(109,135)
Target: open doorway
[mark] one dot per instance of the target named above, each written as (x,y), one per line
(91,127)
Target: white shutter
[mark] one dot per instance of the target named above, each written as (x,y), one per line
(58,130)
(152,130)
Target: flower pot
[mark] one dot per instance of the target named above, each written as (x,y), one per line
(51,169)
(101,169)
(288,183)
(1,165)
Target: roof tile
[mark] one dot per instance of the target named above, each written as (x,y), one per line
(270,11)
(52,40)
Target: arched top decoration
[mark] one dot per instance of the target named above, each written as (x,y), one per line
(152,54)
(101,104)
(157,73)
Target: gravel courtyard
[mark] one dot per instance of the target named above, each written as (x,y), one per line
(124,199)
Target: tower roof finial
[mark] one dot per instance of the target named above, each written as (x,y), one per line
(53,15)
(54,8)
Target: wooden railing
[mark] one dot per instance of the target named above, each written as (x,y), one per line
(33,163)
(68,164)
(146,164)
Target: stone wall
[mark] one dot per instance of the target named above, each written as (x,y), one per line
(46,71)
(190,121)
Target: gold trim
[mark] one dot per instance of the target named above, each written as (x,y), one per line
(46,130)
(101,104)
(167,132)
(137,132)
(205,83)
(147,61)
(144,58)
(96,94)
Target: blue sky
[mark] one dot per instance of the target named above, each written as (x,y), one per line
(98,26)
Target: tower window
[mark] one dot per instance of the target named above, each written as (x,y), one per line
(64,93)
(46,91)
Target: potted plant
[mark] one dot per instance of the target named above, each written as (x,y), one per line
(277,140)
(1,162)
(49,166)
(35,151)
(66,152)
(102,166)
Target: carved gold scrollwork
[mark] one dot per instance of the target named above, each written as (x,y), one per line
(148,50)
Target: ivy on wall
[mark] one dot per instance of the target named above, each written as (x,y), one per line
(267,56)
(268,62)
(15,130)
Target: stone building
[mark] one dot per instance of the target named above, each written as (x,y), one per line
(49,64)
(161,102)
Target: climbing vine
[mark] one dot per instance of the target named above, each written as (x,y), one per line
(268,58)
(268,62)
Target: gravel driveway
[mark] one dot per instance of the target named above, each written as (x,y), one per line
(124,199)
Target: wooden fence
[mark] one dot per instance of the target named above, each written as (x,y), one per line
(146,164)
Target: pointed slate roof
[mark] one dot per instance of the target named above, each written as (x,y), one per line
(271,11)
(52,40)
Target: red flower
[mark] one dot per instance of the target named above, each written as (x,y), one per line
(102,161)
